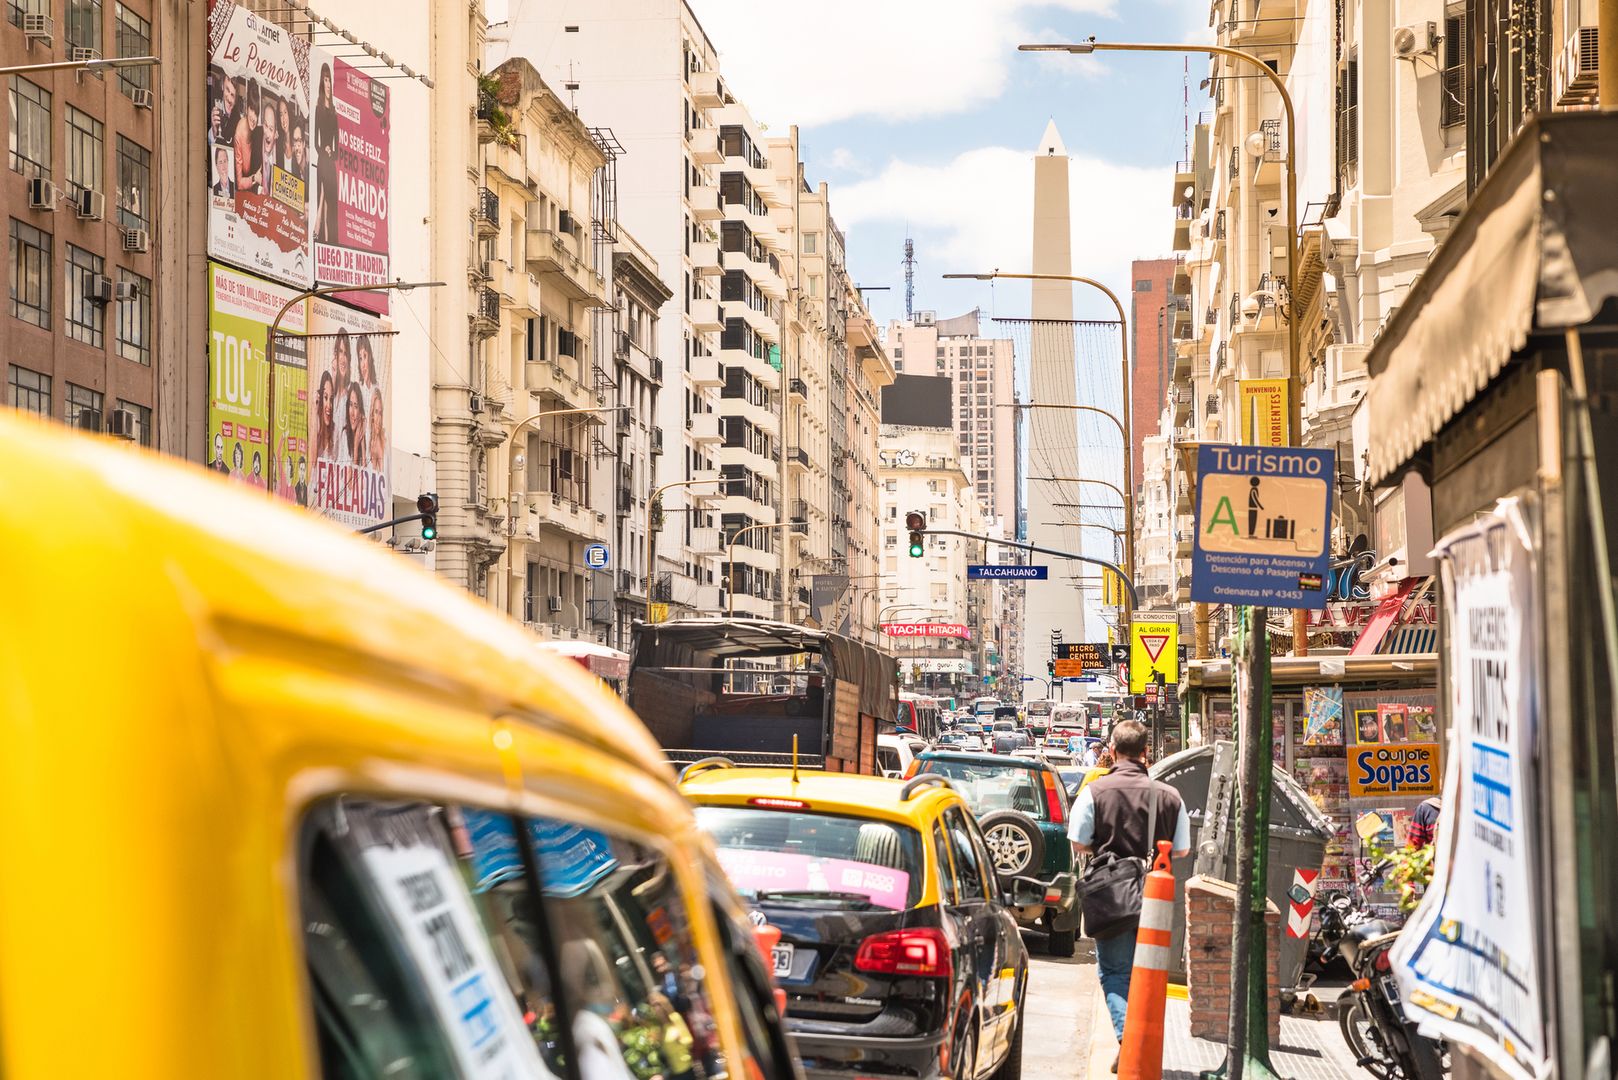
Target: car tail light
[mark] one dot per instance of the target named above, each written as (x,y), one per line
(1383,961)
(1053,799)
(778,804)
(922,952)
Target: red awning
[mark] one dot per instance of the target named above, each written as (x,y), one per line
(1387,614)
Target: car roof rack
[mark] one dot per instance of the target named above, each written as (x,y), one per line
(703,765)
(921,780)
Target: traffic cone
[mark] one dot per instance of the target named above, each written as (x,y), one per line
(1140,1057)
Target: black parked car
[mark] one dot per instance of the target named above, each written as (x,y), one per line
(899,955)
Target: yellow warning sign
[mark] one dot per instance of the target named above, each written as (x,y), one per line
(1154,646)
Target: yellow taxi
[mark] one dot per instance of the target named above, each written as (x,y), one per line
(279,804)
(898,953)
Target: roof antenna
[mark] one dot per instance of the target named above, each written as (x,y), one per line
(794,759)
(910,279)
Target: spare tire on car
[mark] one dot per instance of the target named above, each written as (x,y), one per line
(1015,843)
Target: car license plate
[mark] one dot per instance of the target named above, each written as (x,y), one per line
(781,958)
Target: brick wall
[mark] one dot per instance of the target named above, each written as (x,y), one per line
(1209,933)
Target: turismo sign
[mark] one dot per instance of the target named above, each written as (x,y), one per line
(996,571)
(1263,518)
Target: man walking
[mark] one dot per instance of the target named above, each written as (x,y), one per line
(1111,816)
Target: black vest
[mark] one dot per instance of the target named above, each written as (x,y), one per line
(1123,802)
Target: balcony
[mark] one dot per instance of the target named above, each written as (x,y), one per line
(1182,227)
(485,312)
(705,317)
(759,271)
(507,160)
(657,440)
(704,146)
(799,457)
(762,323)
(655,368)
(798,389)
(763,181)
(705,371)
(800,510)
(544,377)
(1268,168)
(706,91)
(704,427)
(555,256)
(1185,176)
(486,214)
(1182,280)
(705,204)
(705,260)
(560,513)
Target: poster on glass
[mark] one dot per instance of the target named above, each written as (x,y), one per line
(241,308)
(350,195)
(350,356)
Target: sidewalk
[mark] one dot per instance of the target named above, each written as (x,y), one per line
(1311,1048)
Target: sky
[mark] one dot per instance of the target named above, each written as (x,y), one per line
(923,118)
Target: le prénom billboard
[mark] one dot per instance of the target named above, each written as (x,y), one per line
(259,153)
(352,125)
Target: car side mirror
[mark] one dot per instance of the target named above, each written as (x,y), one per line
(1023,892)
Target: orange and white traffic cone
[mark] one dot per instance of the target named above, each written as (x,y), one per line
(1140,1057)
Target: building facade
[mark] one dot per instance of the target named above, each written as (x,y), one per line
(1152,323)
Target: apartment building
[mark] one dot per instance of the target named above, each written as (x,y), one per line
(869,371)
(983,373)
(1153,318)
(82,227)
(646,69)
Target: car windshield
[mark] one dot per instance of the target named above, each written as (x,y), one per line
(990,786)
(791,854)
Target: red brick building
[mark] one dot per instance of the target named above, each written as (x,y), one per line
(1151,348)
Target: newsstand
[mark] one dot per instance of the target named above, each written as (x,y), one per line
(1298,836)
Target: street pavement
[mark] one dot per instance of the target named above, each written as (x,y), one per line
(1069,1036)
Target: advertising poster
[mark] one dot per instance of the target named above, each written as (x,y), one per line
(349,200)
(1323,716)
(350,355)
(240,310)
(259,153)
(1407,770)
(1467,961)
(1264,411)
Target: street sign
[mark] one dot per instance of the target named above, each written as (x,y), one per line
(1069,669)
(1090,655)
(596,556)
(1263,520)
(998,572)
(1120,654)
(656,612)
(1153,647)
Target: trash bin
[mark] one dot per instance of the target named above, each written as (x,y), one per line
(1298,835)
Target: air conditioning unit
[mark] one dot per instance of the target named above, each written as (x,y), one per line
(1573,72)
(136,240)
(126,290)
(1417,39)
(553,604)
(142,98)
(37,26)
(98,287)
(122,424)
(81,55)
(474,402)
(88,420)
(91,205)
(564,221)
(41,194)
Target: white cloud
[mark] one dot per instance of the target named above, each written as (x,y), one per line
(892,59)
(975,213)
(843,159)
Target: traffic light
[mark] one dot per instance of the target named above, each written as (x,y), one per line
(427,507)
(916,522)
(1050,668)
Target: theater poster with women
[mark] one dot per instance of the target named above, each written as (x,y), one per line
(349,360)
(349,206)
(260,150)
(241,308)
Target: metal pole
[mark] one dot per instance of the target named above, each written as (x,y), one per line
(651,534)
(86,65)
(730,560)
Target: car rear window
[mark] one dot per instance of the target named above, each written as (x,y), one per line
(990,786)
(801,854)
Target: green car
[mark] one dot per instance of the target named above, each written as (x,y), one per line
(1021,807)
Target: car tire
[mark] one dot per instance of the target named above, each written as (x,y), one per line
(966,1064)
(1010,1068)
(1015,843)
(1062,943)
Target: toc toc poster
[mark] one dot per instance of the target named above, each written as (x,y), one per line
(352,126)
(240,310)
(259,149)
(350,355)
(1468,962)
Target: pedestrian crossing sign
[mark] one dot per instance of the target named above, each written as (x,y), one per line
(1154,647)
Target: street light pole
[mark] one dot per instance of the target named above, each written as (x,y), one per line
(730,557)
(275,329)
(651,533)
(99,64)
(1248,1056)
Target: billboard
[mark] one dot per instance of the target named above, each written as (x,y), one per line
(241,308)
(350,358)
(1264,411)
(259,150)
(349,201)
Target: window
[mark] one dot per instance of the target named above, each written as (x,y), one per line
(133,38)
(29,390)
(134,182)
(83,407)
(30,128)
(1452,86)
(946,872)
(86,316)
(135,319)
(1141,285)
(14,12)
(1348,114)
(84,24)
(143,420)
(30,274)
(810,242)
(84,151)
(969,869)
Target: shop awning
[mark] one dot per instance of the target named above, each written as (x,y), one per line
(1537,249)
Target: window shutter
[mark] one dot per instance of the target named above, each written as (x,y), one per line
(1351,114)
(1342,113)
(1452,104)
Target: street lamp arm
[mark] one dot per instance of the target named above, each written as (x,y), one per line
(1129,586)
(564,412)
(1075,408)
(1092,282)
(730,558)
(1083,480)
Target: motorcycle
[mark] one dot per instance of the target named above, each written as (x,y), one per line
(1370,1012)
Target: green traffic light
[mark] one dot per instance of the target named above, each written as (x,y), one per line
(916,551)
(429,532)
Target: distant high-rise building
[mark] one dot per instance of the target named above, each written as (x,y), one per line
(1151,348)
(982,371)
